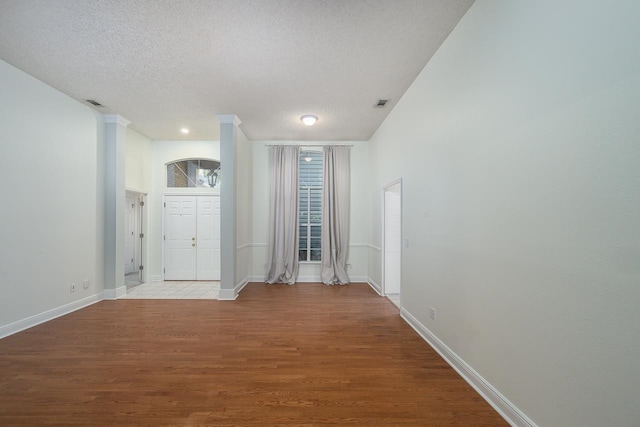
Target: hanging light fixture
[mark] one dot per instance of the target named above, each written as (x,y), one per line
(309,119)
(213,176)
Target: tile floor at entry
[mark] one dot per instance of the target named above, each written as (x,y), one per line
(174,290)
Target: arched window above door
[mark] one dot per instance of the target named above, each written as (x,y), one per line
(203,173)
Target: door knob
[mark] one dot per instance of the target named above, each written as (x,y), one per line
(193,244)
(193,238)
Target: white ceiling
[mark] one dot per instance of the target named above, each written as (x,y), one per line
(167,64)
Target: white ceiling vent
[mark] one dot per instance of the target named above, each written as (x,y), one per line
(381,103)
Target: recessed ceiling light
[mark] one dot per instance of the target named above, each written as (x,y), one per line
(309,119)
(184,131)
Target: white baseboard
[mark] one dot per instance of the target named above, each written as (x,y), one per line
(318,279)
(304,279)
(157,278)
(37,319)
(375,286)
(111,294)
(227,295)
(501,404)
(232,294)
(309,279)
(240,286)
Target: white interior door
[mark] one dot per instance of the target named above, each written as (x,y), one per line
(392,241)
(129,235)
(208,238)
(192,238)
(180,238)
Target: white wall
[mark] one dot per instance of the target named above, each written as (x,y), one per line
(244,209)
(260,202)
(358,235)
(51,215)
(137,162)
(163,152)
(518,146)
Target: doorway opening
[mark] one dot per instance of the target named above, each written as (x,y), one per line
(392,242)
(134,238)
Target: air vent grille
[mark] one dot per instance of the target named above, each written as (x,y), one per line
(94,102)
(381,103)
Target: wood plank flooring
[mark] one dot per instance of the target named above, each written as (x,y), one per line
(301,355)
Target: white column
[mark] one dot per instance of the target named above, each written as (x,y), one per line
(228,205)
(115,134)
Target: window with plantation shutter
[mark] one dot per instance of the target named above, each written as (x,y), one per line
(310,205)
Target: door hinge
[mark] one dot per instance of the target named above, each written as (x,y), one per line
(141,235)
(131,259)
(164,270)
(164,237)
(141,268)
(141,203)
(165,204)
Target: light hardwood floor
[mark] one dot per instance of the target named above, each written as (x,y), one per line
(300,355)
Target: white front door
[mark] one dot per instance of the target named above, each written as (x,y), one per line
(129,235)
(192,238)
(180,238)
(208,239)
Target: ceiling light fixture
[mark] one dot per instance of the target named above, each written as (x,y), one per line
(308,159)
(309,119)
(184,131)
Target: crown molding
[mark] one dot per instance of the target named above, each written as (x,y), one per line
(117,119)
(228,118)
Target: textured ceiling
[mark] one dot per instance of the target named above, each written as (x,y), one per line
(167,64)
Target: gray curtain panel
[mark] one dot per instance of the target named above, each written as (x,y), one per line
(283,215)
(335,215)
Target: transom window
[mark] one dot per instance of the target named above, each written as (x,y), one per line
(310,205)
(193,173)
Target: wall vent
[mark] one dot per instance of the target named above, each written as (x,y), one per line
(94,102)
(381,103)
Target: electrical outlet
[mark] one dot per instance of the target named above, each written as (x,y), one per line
(432,313)
(72,288)
(85,284)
